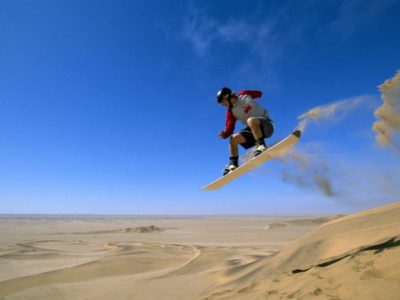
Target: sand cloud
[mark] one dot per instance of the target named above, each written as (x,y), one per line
(388,114)
(336,111)
(308,170)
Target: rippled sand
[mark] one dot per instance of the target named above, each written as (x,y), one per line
(257,257)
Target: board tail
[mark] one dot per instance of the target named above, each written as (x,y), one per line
(297,133)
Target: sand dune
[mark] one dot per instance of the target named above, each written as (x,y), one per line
(303,222)
(140,229)
(348,257)
(353,257)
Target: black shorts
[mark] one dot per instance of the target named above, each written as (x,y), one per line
(267,129)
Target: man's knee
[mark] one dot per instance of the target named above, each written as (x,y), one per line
(251,122)
(236,139)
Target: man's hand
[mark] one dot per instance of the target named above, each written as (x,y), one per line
(222,134)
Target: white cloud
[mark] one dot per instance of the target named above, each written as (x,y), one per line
(199,31)
(236,31)
(271,35)
(257,41)
(203,33)
(289,25)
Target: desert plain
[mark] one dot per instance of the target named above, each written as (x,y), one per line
(356,256)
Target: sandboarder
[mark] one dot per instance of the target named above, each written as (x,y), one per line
(243,107)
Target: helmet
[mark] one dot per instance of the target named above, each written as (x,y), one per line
(223,94)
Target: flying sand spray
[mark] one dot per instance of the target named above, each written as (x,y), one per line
(388,126)
(313,172)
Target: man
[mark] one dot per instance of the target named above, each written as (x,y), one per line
(243,107)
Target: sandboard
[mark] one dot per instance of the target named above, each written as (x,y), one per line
(276,150)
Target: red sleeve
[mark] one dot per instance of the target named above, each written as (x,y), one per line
(252,93)
(230,124)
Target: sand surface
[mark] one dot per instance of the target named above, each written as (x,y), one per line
(255,257)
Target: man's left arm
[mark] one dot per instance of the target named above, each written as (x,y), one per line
(252,93)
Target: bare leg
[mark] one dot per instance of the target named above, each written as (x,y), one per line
(235,140)
(254,125)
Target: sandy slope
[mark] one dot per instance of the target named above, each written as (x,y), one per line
(353,257)
(350,257)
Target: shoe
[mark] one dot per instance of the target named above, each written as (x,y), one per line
(228,168)
(259,149)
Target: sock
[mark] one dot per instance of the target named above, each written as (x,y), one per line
(260,142)
(234,160)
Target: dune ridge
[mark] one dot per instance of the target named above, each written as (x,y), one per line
(352,257)
(303,222)
(140,229)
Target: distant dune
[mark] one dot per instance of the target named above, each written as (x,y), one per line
(340,257)
(144,229)
(140,229)
(303,222)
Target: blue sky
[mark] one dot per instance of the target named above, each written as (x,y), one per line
(108,107)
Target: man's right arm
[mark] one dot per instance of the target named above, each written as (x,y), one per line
(229,125)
